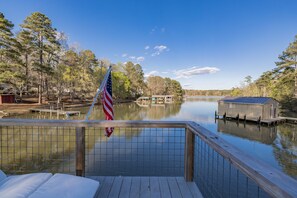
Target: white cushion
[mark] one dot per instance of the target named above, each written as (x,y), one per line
(62,185)
(2,175)
(21,186)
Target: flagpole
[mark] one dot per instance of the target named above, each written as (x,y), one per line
(99,90)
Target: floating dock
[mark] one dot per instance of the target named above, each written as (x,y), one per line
(60,112)
(268,122)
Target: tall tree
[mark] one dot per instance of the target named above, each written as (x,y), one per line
(8,50)
(26,49)
(44,43)
(136,77)
(288,60)
(10,64)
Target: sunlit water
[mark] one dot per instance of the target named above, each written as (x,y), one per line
(276,146)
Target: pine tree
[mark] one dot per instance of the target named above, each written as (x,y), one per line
(288,60)
(26,49)
(44,44)
(8,51)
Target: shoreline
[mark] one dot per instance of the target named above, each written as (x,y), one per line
(12,109)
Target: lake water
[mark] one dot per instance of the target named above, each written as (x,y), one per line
(276,146)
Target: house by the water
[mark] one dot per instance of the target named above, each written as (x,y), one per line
(248,108)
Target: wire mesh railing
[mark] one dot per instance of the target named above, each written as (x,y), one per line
(217,177)
(139,148)
(136,152)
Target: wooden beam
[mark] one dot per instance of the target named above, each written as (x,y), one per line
(93,123)
(80,151)
(189,155)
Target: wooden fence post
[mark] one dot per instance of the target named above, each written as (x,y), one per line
(189,155)
(80,151)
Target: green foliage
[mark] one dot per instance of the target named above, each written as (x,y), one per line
(38,60)
(190,92)
(157,85)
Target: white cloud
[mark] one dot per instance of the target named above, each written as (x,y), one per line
(163,29)
(159,49)
(152,73)
(132,57)
(140,59)
(187,85)
(147,47)
(124,55)
(193,71)
(164,72)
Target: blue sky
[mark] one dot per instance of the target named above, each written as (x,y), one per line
(204,44)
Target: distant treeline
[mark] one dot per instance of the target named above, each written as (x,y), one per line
(37,61)
(190,92)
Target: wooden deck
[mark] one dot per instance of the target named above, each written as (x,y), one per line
(60,112)
(118,186)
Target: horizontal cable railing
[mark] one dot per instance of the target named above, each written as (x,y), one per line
(139,148)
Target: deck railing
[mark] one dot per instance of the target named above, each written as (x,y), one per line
(143,148)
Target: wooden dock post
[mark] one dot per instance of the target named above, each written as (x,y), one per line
(80,151)
(189,155)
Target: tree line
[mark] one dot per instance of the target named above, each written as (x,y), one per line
(279,83)
(191,92)
(37,60)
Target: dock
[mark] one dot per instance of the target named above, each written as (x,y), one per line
(290,120)
(156,99)
(118,186)
(60,112)
(268,122)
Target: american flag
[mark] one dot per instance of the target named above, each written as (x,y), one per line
(107,104)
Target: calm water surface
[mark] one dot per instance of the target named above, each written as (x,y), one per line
(276,146)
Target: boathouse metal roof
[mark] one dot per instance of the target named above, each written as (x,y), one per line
(247,100)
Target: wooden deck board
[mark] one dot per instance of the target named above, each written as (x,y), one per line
(145,187)
(164,188)
(126,186)
(111,187)
(135,187)
(116,187)
(106,187)
(155,187)
(183,187)
(173,186)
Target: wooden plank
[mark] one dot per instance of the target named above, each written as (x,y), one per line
(164,187)
(189,155)
(135,187)
(155,187)
(271,180)
(106,186)
(194,190)
(145,187)
(94,123)
(183,187)
(126,187)
(116,187)
(80,151)
(101,180)
(174,190)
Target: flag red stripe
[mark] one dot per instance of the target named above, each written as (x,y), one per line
(108,105)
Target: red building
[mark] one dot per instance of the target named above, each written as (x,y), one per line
(7,98)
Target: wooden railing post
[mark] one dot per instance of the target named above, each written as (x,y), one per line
(80,151)
(189,155)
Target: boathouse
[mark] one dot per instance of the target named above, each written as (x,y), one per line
(248,107)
